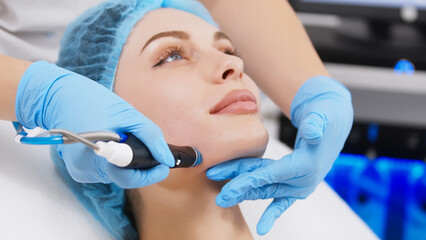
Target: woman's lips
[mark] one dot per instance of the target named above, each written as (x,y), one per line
(237,101)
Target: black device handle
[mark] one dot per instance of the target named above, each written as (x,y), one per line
(184,156)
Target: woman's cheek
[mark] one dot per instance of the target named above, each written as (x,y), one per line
(180,126)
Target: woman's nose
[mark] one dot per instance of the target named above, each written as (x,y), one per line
(229,68)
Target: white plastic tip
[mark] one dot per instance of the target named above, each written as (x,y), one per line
(18,138)
(119,154)
(37,132)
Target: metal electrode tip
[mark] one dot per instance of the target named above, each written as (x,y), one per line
(199,158)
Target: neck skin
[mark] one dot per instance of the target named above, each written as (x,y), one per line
(187,211)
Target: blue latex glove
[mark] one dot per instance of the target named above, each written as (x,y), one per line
(323,113)
(51,97)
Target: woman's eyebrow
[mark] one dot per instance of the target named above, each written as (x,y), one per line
(182,35)
(176,34)
(221,35)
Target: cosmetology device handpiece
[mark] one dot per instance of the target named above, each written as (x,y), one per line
(122,150)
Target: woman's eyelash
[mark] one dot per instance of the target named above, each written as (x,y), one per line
(167,53)
(233,52)
(170,51)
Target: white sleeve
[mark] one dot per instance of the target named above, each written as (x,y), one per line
(32,30)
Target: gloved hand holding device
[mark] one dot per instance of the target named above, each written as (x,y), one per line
(51,97)
(322,111)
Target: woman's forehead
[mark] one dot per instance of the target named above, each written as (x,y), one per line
(169,19)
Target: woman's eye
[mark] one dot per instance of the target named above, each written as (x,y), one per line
(173,57)
(233,52)
(169,55)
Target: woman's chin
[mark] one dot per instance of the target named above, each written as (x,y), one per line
(253,152)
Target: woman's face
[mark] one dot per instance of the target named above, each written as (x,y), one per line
(183,74)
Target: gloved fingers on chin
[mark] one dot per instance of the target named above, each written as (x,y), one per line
(272,213)
(246,182)
(135,178)
(234,168)
(266,192)
(312,128)
(279,171)
(277,191)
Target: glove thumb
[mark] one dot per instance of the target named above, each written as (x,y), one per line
(312,128)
